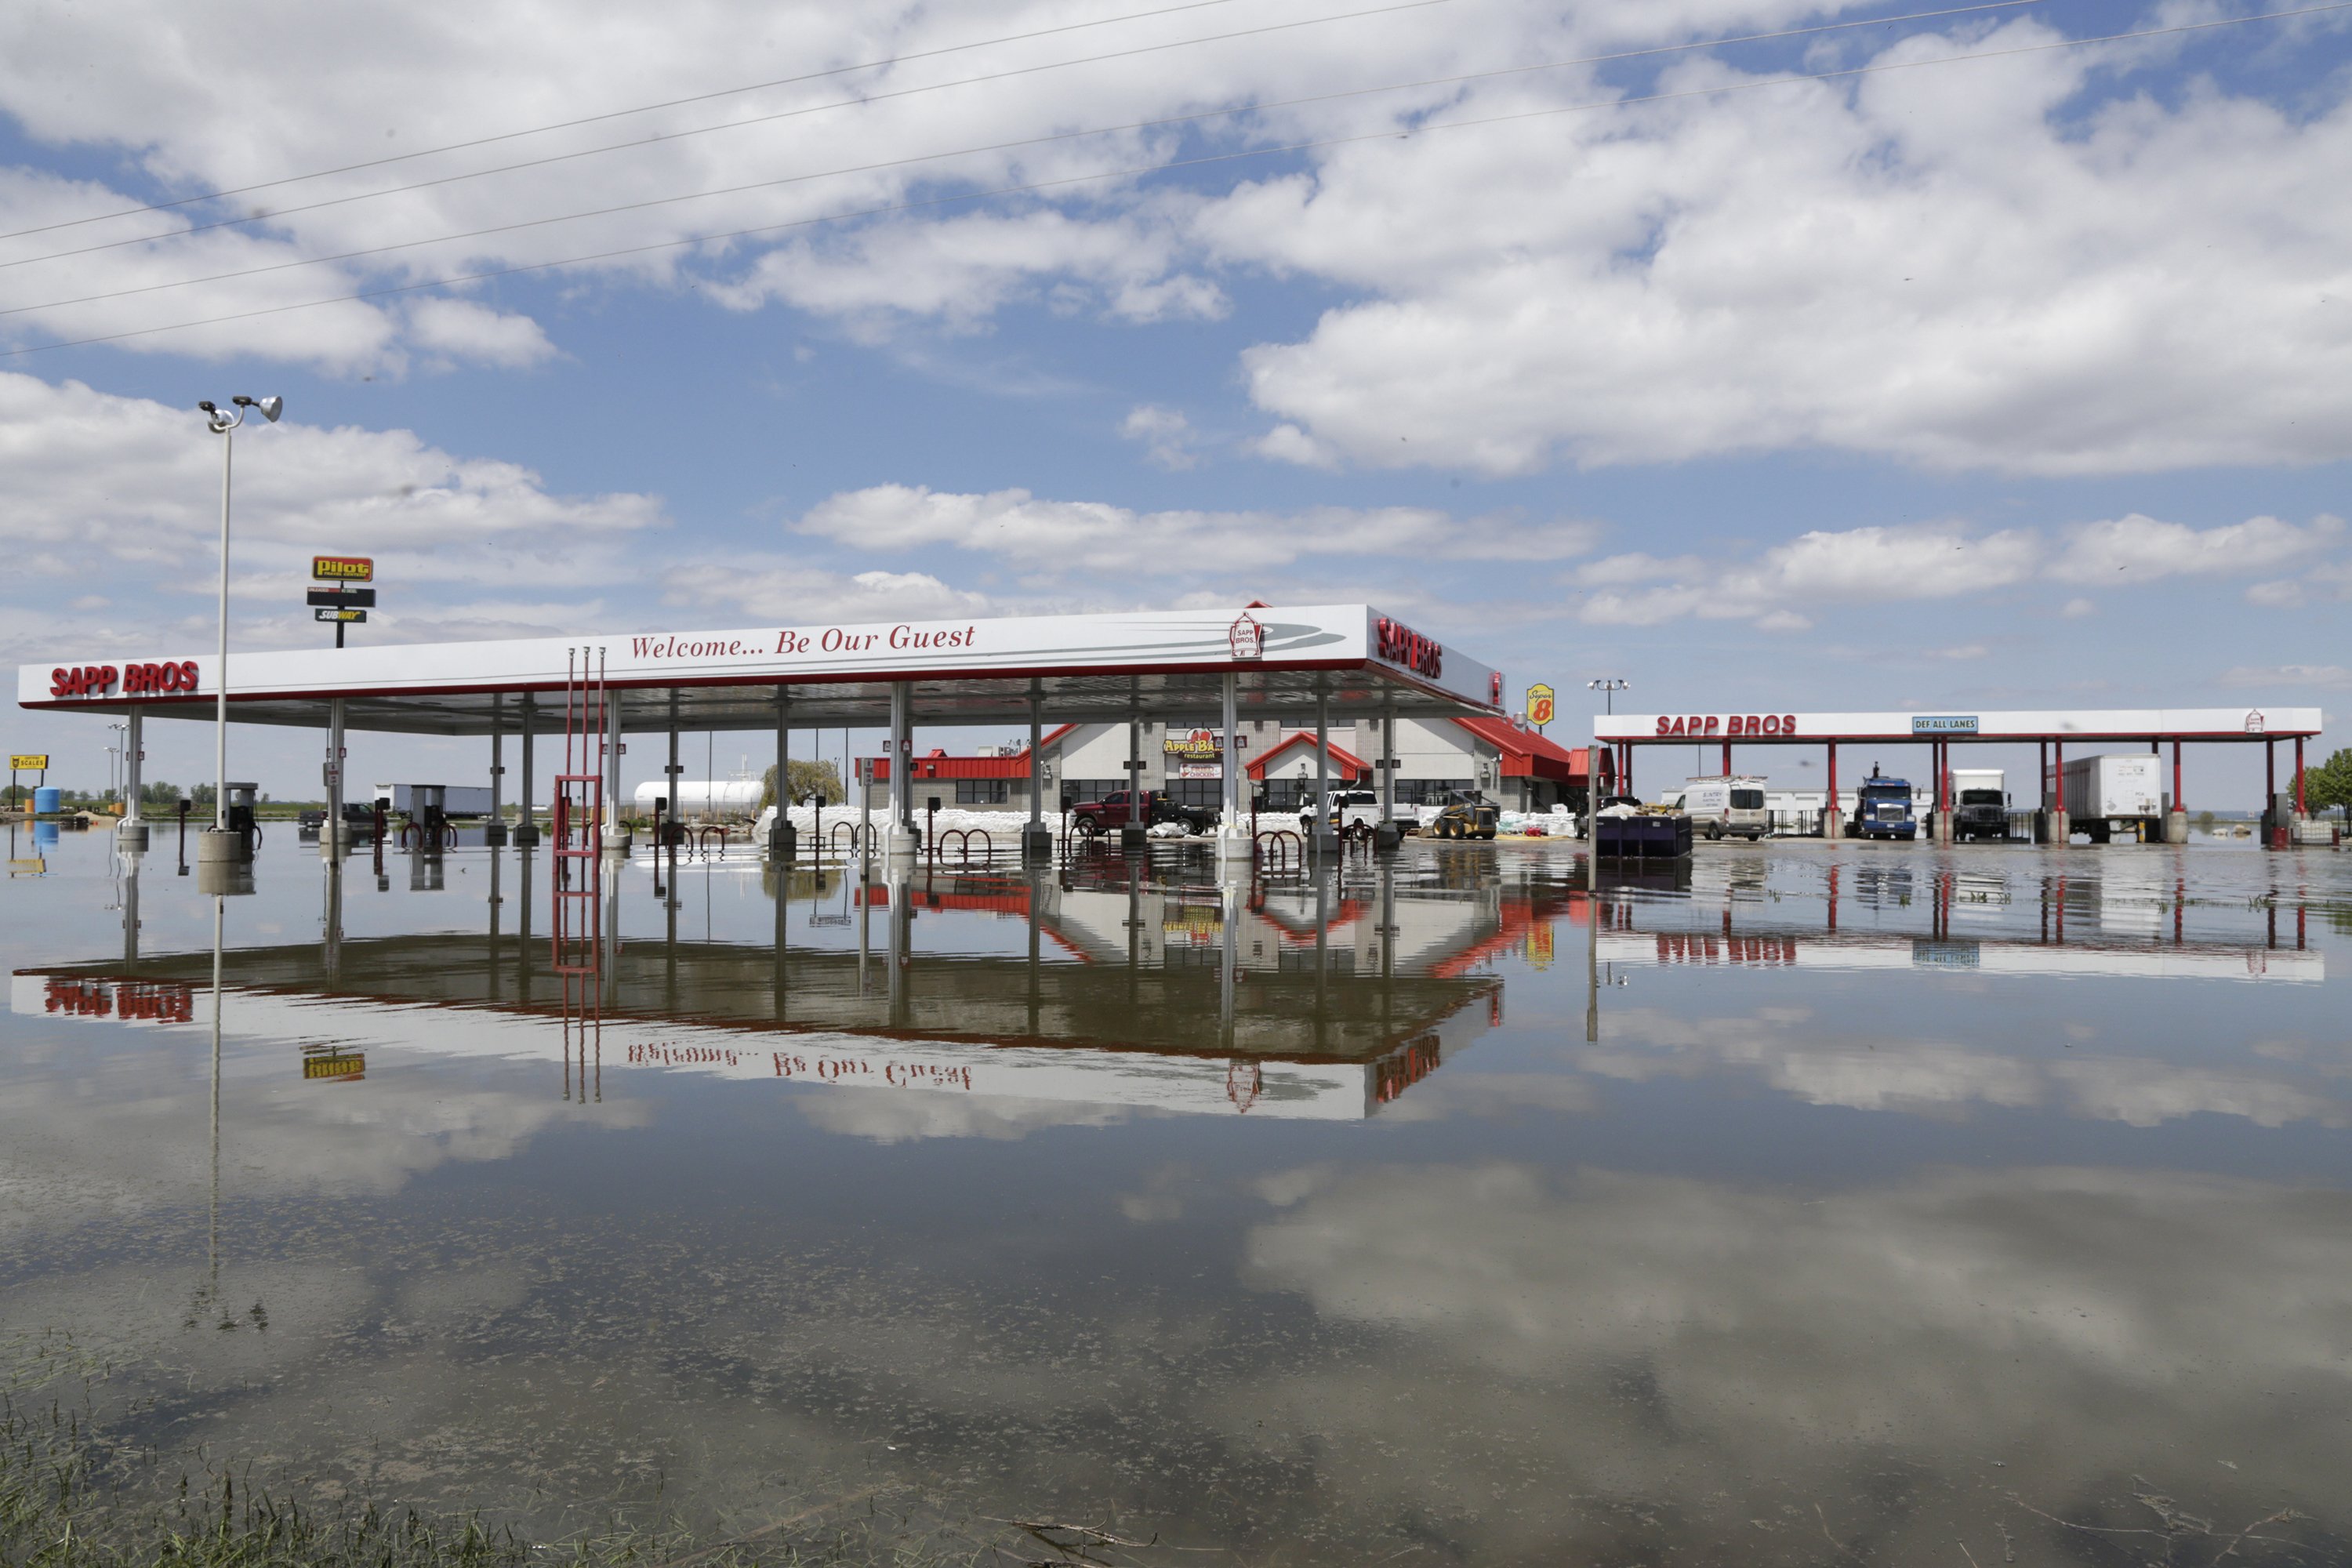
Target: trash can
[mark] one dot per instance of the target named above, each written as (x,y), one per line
(47,801)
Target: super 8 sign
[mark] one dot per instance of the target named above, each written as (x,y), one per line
(1539,705)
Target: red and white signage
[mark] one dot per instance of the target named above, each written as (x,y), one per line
(92,681)
(1728,726)
(1290,636)
(1246,638)
(2069,725)
(1399,644)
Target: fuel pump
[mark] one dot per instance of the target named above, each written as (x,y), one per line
(240,809)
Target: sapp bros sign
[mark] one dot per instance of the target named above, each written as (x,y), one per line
(1728,726)
(135,680)
(1399,644)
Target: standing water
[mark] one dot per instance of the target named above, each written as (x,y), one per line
(1816,1203)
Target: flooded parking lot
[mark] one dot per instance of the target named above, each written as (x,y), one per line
(1813,1203)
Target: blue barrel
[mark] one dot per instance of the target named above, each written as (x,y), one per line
(47,801)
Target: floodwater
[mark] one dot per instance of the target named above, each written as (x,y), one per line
(1822,1202)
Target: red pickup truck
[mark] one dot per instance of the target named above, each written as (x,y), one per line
(1108,815)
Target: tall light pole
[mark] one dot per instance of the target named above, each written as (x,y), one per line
(1609,686)
(224,425)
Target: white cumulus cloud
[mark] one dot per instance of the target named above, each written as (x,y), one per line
(1022,527)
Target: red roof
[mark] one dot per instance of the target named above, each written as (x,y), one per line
(940,765)
(1527,754)
(1350,766)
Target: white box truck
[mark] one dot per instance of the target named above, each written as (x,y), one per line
(1980,803)
(1726,806)
(2115,795)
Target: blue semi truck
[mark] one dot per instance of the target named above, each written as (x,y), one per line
(1882,809)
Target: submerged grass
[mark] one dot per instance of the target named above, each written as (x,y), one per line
(72,1499)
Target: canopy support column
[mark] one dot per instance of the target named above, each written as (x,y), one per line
(1386,835)
(616,831)
(1833,820)
(525,833)
(494,828)
(1036,843)
(672,829)
(1321,838)
(334,831)
(2176,821)
(900,838)
(1131,836)
(131,833)
(783,842)
(1234,846)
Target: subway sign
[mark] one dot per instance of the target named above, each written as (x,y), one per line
(343,568)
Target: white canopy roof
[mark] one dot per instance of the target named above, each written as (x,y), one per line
(1160,663)
(2247,723)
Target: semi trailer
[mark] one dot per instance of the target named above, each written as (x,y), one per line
(456,800)
(2115,795)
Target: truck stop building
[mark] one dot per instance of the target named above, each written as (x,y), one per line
(1505,761)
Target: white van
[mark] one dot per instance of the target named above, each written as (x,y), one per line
(1725,806)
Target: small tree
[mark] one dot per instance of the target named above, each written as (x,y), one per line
(2329,784)
(809,778)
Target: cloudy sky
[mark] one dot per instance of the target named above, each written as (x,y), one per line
(1973,359)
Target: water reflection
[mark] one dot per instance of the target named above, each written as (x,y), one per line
(1846,1204)
(1325,996)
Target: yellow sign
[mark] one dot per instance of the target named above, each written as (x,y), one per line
(343,568)
(1539,705)
(35,762)
(333,1067)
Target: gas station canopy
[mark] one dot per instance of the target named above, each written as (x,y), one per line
(1160,663)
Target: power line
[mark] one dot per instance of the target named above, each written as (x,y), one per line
(968,152)
(659,139)
(614,114)
(1202,161)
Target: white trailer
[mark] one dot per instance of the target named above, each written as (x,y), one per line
(2116,794)
(1726,806)
(456,800)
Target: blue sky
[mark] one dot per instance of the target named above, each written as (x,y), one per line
(1972,383)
